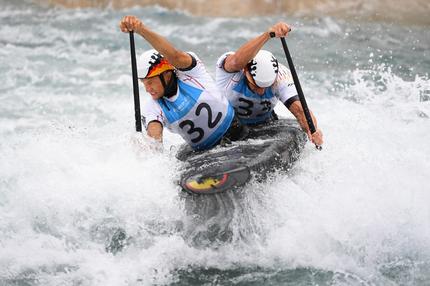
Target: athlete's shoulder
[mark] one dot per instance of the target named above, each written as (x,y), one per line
(284,76)
(196,63)
(221,60)
(150,105)
(197,73)
(151,111)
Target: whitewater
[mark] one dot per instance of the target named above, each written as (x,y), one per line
(72,168)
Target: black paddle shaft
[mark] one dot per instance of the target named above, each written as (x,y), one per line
(299,89)
(137,115)
(298,86)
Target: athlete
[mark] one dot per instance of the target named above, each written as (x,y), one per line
(185,98)
(254,82)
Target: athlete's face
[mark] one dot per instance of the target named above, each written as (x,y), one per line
(251,84)
(154,87)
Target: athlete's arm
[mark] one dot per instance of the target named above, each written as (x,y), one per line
(297,110)
(155,130)
(237,61)
(177,58)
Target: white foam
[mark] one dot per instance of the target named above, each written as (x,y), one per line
(70,168)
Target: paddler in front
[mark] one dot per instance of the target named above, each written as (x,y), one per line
(184,97)
(254,81)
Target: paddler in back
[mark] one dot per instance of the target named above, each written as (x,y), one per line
(184,97)
(254,82)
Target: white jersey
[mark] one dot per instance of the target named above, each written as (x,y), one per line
(250,107)
(198,112)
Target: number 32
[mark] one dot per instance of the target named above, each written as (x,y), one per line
(198,130)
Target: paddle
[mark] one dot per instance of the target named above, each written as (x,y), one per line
(299,90)
(137,116)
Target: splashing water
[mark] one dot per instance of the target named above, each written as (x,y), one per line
(72,170)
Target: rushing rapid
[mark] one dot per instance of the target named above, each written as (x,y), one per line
(72,169)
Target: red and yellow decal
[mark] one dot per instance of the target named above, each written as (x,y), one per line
(206,184)
(161,67)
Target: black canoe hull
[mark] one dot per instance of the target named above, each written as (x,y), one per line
(271,147)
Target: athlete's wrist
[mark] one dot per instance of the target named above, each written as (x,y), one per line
(140,29)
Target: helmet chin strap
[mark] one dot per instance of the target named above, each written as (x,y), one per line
(171,87)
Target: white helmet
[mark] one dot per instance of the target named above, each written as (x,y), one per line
(263,68)
(151,63)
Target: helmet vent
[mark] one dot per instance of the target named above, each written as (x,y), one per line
(275,64)
(252,67)
(154,58)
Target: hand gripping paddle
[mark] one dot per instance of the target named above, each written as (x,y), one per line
(298,87)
